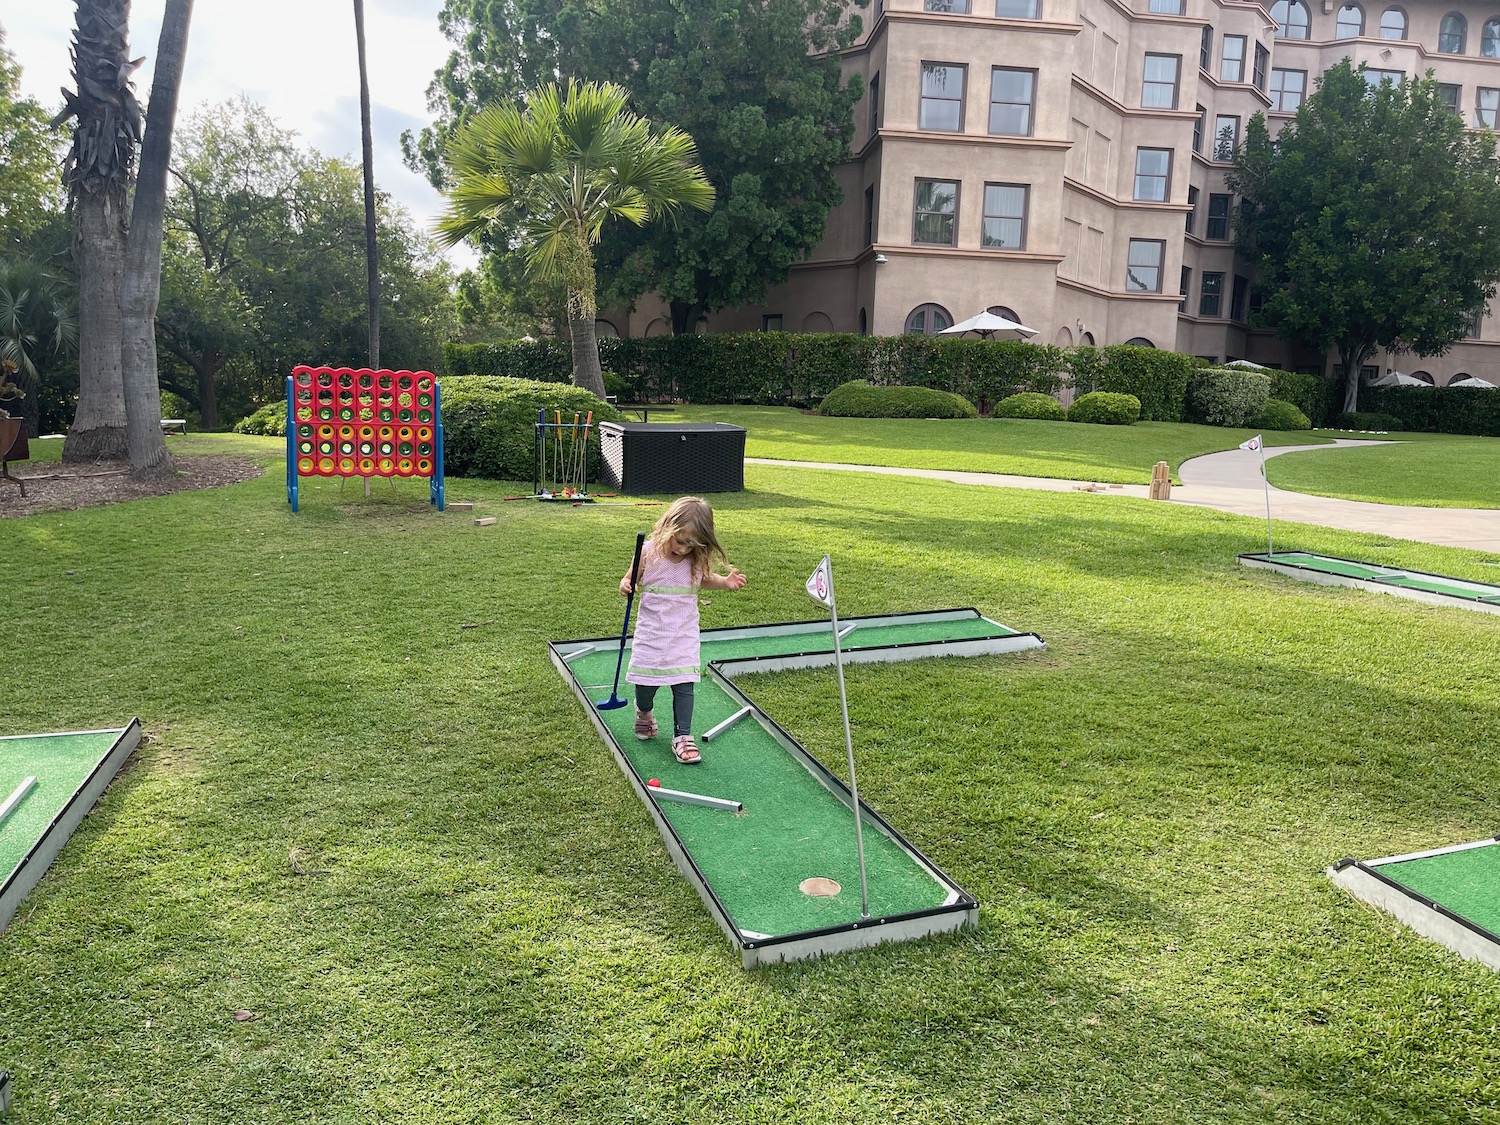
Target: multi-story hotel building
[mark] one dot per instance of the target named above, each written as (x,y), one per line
(1064,162)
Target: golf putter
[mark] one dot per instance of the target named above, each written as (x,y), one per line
(614,699)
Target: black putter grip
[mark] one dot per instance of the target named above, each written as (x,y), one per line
(635,565)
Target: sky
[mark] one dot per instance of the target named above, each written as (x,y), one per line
(295,57)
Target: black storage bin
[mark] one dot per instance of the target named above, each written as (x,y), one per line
(681,457)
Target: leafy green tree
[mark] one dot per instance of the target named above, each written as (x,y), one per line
(1370,220)
(756,85)
(30,182)
(37,323)
(557,171)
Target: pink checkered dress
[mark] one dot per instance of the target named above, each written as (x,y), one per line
(664,649)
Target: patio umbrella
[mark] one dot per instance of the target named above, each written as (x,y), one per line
(987,324)
(1247,363)
(1397,379)
(1473,381)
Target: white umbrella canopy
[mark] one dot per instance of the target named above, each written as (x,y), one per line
(1473,381)
(1247,363)
(1397,379)
(987,324)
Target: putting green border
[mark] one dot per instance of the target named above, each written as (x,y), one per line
(812,647)
(1365,881)
(38,858)
(1461,593)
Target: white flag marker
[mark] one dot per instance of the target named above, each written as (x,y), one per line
(820,590)
(1252,445)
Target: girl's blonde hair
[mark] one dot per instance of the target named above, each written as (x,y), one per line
(691,520)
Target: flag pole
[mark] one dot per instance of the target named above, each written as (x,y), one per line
(1266,484)
(838,661)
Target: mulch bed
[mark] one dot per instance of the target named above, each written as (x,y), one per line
(53,486)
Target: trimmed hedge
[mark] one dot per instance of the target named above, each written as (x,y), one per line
(489,423)
(859,399)
(1366,420)
(1157,379)
(1315,396)
(1031,404)
(1280,415)
(1221,396)
(1436,410)
(1105,408)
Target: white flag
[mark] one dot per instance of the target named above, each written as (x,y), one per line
(1252,445)
(820,585)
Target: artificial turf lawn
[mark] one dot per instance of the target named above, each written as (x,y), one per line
(1467,882)
(60,763)
(1390,576)
(792,827)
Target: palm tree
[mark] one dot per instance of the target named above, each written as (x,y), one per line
(367,149)
(36,318)
(556,171)
(97,173)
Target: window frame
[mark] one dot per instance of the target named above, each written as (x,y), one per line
(1218,155)
(924,308)
(1030,104)
(1021,220)
(916,214)
(1217,295)
(1278,93)
(1206,48)
(1387,26)
(1192,215)
(1147,82)
(1489,39)
(1164,178)
(1131,265)
(1286,27)
(923,98)
(1493,109)
(1034,9)
(947,7)
(1232,67)
(1460,37)
(1223,220)
(874,107)
(1261,61)
(1339,24)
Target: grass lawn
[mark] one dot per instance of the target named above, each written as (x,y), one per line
(1431,470)
(374,864)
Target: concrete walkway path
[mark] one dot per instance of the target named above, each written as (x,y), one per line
(1231,482)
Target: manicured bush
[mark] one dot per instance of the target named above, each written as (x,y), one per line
(859,399)
(1366,420)
(1280,415)
(1031,404)
(1222,396)
(1157,379)
(1105,408)
(489,423)
(268,421)
(1315,396)
(1437,410)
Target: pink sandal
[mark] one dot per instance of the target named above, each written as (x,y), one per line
(685,750)
(645,725)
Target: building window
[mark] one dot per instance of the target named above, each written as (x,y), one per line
(1489,40)
(942,105)
(1451,34)
(1159,87)
(928,320)
(864,322)
(1232,62)
(1206,48)
(1393,24)
(1011,97)
(1262,60)
(1198,124)
(1211,296)
(1226,136)
(1288,88)
(1477,324)
(1166,7)
(1237,298)
(1018,9)
(875,104)
(1143,265)
(1004,225)
(1218,217)
(1187,286)
(955,7)
(1192,215)
(936,213)
(1486,108)
(1451,95)
(770,322)
(1292,19)
(1376,77)
(870,215)
(1139,342)
(1351,23)
(1153,172)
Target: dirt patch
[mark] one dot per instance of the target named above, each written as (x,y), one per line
(52,486)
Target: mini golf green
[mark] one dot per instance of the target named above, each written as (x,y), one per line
(797,823)
(71,771)
(1451,895)
(1329,570)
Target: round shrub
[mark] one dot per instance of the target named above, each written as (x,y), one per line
(1031,404)
(489,423)
(1366,420)
(1280,415)
(1227,396)
(1105,408)
(859,399)
(268,421)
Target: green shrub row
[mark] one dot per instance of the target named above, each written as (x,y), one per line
(489,424)
(1105,408)
(1156,378)
(1366,420)
(1318,398)
(268,421)
(860,399)
(1436,410)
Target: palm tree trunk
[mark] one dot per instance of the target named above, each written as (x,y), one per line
(141,289)
(372,257)
(585,340)
(98,429)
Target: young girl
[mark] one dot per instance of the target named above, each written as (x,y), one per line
(676,563)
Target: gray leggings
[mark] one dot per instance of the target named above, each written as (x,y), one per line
(682,705)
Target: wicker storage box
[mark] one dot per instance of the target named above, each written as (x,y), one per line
(685,458)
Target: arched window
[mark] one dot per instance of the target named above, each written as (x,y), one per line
(1001,310)
(1489,40)
(1393,24)
(1086,340)
(928,320)
(1424,376)
(659,327)
(1292,19)
(1351,23)
(1451,34)
(605,330)
(1139,342)
(817,322)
